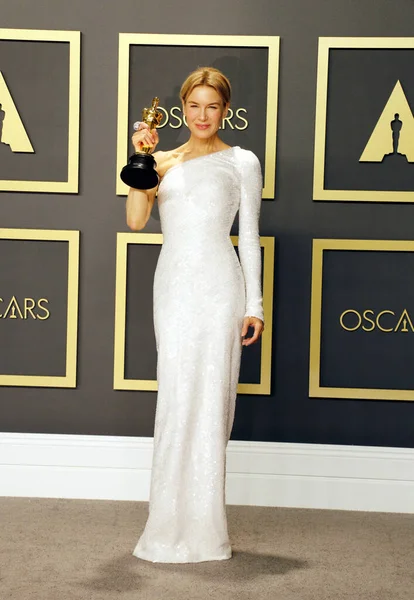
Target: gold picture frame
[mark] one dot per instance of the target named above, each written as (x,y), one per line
(315,389)
(72,237)
(272,43)
(71,186)
(120,383)
(319,190)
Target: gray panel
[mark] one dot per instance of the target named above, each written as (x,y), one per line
(140,350)
(245,67)
(361,281)
(37,76)
(33,270)
(360,83)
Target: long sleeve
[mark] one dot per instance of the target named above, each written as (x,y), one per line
(249,243)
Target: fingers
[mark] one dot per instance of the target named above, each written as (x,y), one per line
(245,327)
(156,138)
(149,139)
(258,330)
(140,125)
(145,137)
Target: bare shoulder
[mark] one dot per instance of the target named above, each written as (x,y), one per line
(160,156)
(165,160)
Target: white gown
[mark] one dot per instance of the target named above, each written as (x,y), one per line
(201,295)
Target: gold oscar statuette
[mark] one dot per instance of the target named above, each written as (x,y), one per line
(140,172)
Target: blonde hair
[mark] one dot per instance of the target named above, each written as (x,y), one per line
(207,76)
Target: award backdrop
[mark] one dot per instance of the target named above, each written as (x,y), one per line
(334,365)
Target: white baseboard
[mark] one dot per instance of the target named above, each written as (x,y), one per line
(258,473)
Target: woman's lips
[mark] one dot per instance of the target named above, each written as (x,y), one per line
(202,126)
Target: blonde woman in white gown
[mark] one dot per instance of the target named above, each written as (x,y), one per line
(205,305)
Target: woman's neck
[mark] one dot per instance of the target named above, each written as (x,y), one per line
(197,147)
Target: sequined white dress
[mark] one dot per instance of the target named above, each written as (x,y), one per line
(201,294)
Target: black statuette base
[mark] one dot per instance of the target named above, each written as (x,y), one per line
(140,172)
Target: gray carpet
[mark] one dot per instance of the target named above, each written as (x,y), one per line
(81,550)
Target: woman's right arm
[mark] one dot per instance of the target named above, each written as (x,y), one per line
(140,202)
(138,207)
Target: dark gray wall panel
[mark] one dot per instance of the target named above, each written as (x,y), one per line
(37,76)
(33,270)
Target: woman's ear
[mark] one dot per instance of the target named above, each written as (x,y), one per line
(226,110)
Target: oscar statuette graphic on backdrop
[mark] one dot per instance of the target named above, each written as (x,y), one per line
(13,135)
(393,135)
(140,171)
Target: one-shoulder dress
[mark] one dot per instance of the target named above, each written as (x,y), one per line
(202,292)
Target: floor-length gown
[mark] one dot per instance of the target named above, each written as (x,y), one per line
(201,295)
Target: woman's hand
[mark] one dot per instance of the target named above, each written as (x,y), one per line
(145,137)
(258,327)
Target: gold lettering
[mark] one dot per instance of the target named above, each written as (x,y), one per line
(28,309)
(405,317)
(173,115)
(175,118)
(383,312)
(47,312)
(164,122)
(238,115)
(369,320)
(11,308)
(227,120)
(341,320)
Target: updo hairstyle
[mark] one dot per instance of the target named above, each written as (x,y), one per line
(207,76)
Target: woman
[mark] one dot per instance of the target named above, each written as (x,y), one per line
(204,304)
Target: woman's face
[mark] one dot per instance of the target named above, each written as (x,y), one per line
(204,111)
